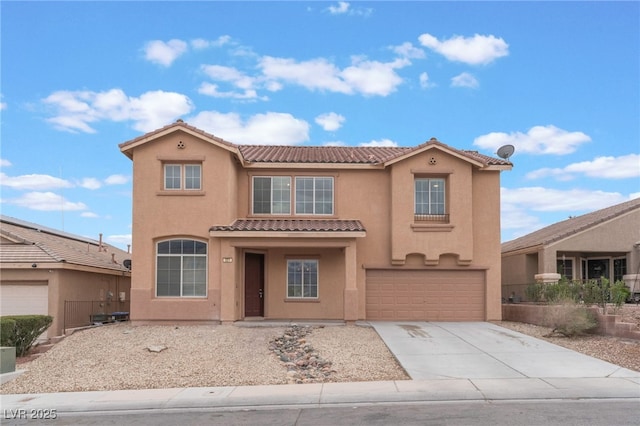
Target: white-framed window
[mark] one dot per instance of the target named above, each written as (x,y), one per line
(302,278)
(181,268)
(430,198)
(182,176)
(314,195)
(271,195)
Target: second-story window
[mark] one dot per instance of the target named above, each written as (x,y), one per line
(430,199)
(272,195)
(183,176)
(314,195)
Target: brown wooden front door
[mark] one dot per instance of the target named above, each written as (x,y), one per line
(253,285)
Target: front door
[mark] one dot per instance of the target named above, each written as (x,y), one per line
(253,285)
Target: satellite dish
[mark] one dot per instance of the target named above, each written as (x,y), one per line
(506,151)
(127,263)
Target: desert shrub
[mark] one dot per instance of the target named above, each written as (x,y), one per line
(26,331)
(619,293)
(569,319)
(597,292)
(7,331)
(562,290)
(534,292)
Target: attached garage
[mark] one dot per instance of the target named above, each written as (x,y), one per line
(25,298)
(419,295)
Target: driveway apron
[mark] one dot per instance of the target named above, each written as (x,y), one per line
(481,350)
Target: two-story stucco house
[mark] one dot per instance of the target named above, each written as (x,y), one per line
(225,232)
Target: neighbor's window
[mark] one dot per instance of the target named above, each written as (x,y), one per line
(272,195)
(314,195)
(183,176)
(430,198)
(302,278)
(619,268)
(181,268)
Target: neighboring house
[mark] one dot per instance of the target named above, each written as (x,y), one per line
(604,243)
(225,232)
(41,268)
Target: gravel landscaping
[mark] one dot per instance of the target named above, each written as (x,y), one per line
(122,356)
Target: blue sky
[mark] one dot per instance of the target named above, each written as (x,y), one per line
(558,80)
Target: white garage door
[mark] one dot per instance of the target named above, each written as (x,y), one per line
(29,298)
(425,295)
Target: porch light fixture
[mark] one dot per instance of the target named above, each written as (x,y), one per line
(227,260)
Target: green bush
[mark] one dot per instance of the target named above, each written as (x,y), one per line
(569,319)
(7,331)
(534,292)
(619,294)
(26,331)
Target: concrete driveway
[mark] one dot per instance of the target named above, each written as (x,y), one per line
(481,350)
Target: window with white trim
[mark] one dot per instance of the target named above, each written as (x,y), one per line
(430,198)
(182,176)
(314,195)
(272,195)
(181,268)
(302,278)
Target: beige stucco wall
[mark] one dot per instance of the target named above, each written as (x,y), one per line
(159,215)
(381,198)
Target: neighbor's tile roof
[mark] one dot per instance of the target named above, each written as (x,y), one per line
(25,242)
(571,226)
(314,154)
(293,225)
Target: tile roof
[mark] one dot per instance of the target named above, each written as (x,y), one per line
(25,242)
(286,154)
(319,154)
(293,225)
(568,227)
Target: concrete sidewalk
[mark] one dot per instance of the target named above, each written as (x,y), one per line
(447,362)
(329,393)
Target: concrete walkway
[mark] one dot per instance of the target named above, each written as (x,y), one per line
(447,362)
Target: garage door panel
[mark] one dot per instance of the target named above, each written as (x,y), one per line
(425,295)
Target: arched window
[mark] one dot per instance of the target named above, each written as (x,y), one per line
(181,268)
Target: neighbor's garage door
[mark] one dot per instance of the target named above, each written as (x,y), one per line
(425,295)
(29,298)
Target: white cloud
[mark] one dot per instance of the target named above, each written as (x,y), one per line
(330,121)
(424,81)
(33,182)
(623,167)
(476,50)
(370,78)
(382,142)
(408,50)
(45,201)
(200,43)
(89,215)
(5,163)
(555,200)
(119,239)
(3,106)
(90,183)
(339,9)
(210,89)
(271,128)
(159,52)
(334,143)
(538,140)
(76,110)
(344,8)
(116,180)
(229,74)
(465,80)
